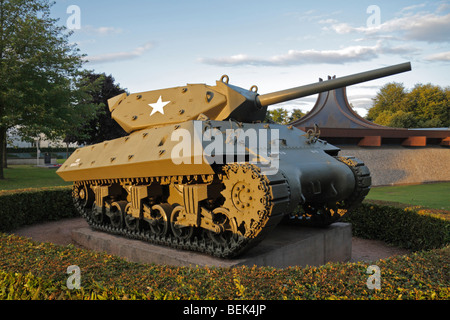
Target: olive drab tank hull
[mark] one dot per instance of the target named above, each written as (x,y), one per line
(199,171)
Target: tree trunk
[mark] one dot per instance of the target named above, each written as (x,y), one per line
(2,149)
(5,150)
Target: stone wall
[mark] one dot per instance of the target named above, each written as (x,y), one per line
(400,165)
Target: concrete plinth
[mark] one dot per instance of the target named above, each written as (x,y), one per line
(285,246)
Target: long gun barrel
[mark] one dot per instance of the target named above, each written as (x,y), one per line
(220,102)
(310,89)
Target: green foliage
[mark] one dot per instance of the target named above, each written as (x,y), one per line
(390,97)
(30,206)
(102,127)
(295,115)
(403,227)
(38,271)
(40,72)
(425,106)
(30,270)
(282,116)
(37,70)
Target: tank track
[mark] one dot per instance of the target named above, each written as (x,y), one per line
(248,219)
(322,215)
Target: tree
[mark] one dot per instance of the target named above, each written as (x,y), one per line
(389,98)
(278,115)
(430,105)
(295,115)
(102,127)
(282,116)
(424,106)
(40,90)
(399,119)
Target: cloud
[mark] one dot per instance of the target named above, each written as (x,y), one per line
(443,7)
(443,56)
(120,56)
(313,15)
(428,27)
(413,7)
(327,21)
(298,57)
(103,31)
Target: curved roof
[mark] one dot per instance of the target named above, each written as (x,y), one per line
(336,119)
(332,110)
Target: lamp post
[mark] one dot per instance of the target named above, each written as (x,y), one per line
(38,153)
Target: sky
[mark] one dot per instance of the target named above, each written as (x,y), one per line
(150,45)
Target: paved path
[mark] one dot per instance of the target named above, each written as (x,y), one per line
(59,232)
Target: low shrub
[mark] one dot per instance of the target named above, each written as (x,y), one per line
(29,206)
(30,270)
(413,228)
(39,271)
(408,227)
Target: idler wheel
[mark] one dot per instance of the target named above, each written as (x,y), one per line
(83,195)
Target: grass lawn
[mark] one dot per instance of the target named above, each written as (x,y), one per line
(432,195)
(23,176)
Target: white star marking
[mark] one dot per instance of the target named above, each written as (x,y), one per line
(158,106)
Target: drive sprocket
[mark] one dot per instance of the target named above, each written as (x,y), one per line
(246,197)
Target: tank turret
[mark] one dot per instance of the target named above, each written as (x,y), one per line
(220,102)
(200,171)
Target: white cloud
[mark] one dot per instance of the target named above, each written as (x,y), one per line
(120,56)
(421,27)
(103,31)
(313,15)
(413,7)
(298,57)
(328,21)
(443,56)
(429,28)
(443,7)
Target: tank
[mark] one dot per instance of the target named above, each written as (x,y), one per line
(199,169)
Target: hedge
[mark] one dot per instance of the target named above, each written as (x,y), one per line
(408,227)
(39,271)
(30,206)
(30,270)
